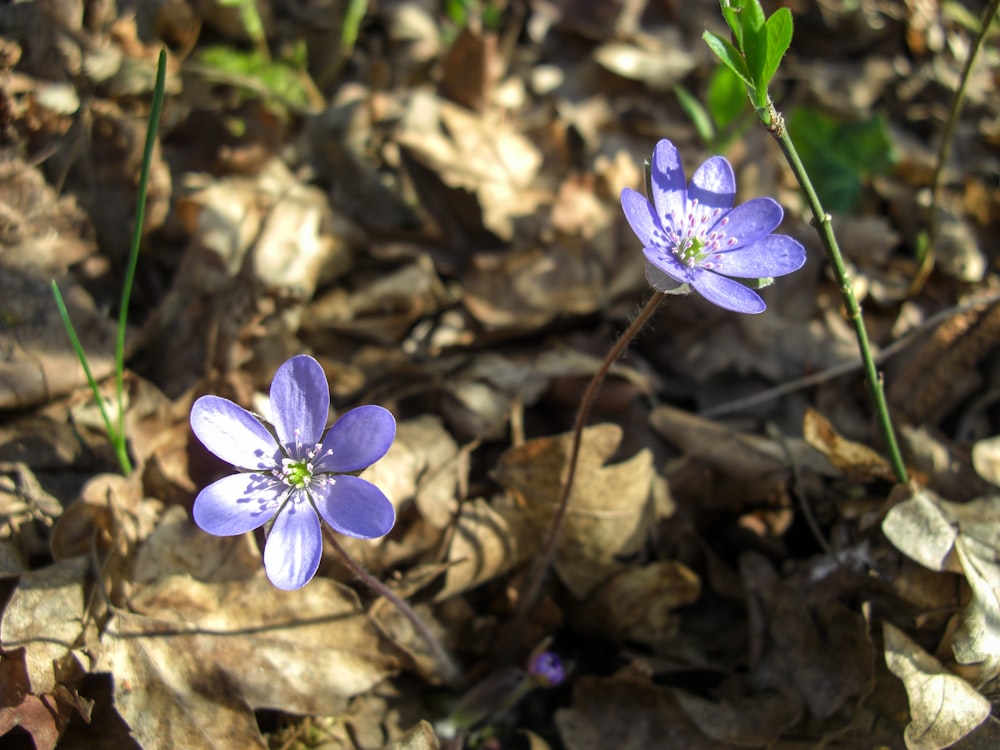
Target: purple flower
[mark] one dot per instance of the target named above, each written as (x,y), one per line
(693,235)
(547,668)
(291,473)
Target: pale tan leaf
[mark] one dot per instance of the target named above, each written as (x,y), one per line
(918,528)
(45,617)
(944,708)
(854,459)
(609,511)
(244,645)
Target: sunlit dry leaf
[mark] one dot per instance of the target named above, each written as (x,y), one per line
(486,158)
(854,459)
(421,736)
(627,712)
(485,544)
(986,459)
(202,656)
(424,463)
(39,363)
(386,308)
(609,511)
(944,708)
(919,529)
(659,66)
(636,606)
(45,617)
(178,546)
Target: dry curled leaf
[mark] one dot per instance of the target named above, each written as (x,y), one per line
(944,708)
(609,510)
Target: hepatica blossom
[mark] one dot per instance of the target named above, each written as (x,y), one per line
(291,473)
(691,234)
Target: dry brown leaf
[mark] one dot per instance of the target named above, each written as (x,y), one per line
(487,159)
(178,546)
(421,736)
(636,606)
(627,712)
(958,537)
(423,464)
(660,64)
(857,461)
(821,653)
(609,512)
(986,459)
(44,616)
(753,719)
(944,708)
(485,544)
(39,363)
(741,455)
(200,657)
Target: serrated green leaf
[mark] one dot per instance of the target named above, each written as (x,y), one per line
(729,55)
(726,97)
(696,113)
(778,29)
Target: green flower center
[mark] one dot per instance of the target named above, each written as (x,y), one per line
(298,474)
(691,251)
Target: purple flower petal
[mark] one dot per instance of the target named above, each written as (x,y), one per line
(640,215)
(300,403)
(667,262)
(728,294)
(713,185)
(357,440)
(750,221)
(294,546)
(355,507)
(233,434)
(773,255)
(238,503)
(669,190)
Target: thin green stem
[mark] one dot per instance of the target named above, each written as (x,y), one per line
(133,257)
(821,221)
(81,355)
(449,670)
(944,149)
(539,570)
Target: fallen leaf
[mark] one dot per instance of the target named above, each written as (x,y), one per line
(628,713)
(944,708)
(44,616)
(857,461)
(609,512)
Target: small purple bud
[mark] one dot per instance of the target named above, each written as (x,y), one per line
(547,669)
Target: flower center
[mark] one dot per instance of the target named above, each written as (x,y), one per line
(691,242)
(296,474)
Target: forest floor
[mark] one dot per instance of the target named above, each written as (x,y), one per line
(430,208)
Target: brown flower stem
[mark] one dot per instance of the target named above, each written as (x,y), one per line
(449,669)
(539,570)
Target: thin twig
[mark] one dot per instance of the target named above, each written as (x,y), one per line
(449,669)
(539,570)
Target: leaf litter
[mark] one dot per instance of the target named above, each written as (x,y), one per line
(437,222)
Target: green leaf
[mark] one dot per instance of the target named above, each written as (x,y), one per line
(275,80)
(840,156)
(778,30)
(696,113)
(731,13)
(729,55)
(755,52)
(726,97)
